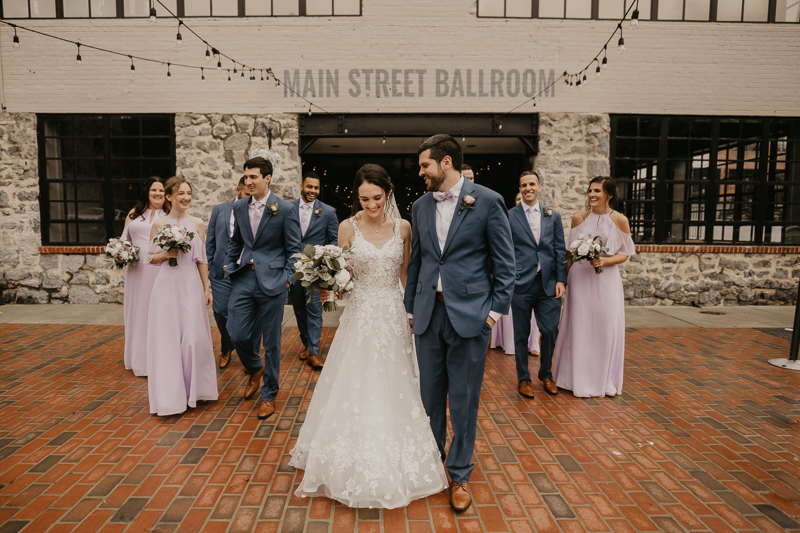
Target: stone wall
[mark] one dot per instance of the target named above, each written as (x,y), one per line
(211,149)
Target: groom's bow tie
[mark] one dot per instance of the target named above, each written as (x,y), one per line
(440,196)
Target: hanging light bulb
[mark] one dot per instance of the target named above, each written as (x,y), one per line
(202,75)
(262,75)
(234,69)
(384,140)
(621,42)
(534,102)
(153,18)
(219,64)
(635,16)
(579,82)
(229,75)
(585,81)
(604,63)
(169,74)
(208,53)
(78,58)
(133,69)
(345,130)
(500,127)
(242,71)
(179,39)
(597,70)
(309,110)
(463,138)
(16,39)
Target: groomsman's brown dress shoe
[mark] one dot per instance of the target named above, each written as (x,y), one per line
(315,362)
(266,409)
(526,388)
(253,384)
(550,386)
(460,498)
(304,353)
(225,359)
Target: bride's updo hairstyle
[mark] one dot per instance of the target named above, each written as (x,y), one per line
(376,175)
(609,187)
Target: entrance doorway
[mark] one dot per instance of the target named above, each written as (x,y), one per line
(497,157)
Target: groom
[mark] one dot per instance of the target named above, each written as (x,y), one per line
(265,235)
(460,281)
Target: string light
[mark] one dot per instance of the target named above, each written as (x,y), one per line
(621,42)
(153,18)
(384,140)
(169,74)
(262,75)
(133,69)
(229,75)
(585,81)
(208,53)
(219,65)
(635,17)
(202,75)
(16,39)
(597,70)
(179,39)
(309,111)
(78,58)
(605,57)
(463,138)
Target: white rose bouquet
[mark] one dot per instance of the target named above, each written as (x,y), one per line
(122,252)
(586,248)
(324,267)
(172,237)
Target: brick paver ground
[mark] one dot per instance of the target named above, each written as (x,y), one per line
(704,438)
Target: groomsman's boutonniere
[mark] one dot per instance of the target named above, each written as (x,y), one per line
(546,212)
(272,209)
(317,212)
(467,202)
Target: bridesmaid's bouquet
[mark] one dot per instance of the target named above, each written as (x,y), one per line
(122,252)
(586,248)
(172,237)
(324,267)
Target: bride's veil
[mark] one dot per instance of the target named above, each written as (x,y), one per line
(391,208)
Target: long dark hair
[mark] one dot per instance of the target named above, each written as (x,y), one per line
(376,175)
(144,198)
(609,187)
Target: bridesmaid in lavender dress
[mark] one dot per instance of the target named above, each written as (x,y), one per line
(139,277)
(590,351)
(181,369)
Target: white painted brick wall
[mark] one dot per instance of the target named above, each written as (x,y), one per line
(670,67)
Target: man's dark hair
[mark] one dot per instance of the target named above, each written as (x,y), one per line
(442,145)
(312,175)
(465,167)
(530,173)
(263,165)
(241,182)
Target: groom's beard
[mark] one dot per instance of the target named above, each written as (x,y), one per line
(436,181)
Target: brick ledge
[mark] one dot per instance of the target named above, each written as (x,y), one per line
(717,249)
(72,249)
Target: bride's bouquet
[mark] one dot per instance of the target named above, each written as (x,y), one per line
(172,237)
(586,248)
(122,252)
(324,267)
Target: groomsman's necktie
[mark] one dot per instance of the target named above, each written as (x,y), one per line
(259,210)
(305,219)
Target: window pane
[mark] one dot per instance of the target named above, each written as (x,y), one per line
(579,9)
(346,7)
(519,8)
(104,8)
(729,10)
(286,7)
(697,9)
(156,125)
(491,8)
(611,9)
(225,8)
(670,10)
(257,7)
(756,10)
(787,11)
(319,7)
(551,9)
(43,9)
(92,233)
(197,8)
(137,8)
(76,8)
(15,9)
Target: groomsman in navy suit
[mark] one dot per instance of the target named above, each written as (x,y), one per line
(266,234)
(220,229)
(318,225)
(539,252)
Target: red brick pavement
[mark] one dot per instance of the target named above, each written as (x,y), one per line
(704,438)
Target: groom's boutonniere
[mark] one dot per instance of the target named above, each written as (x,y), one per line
(546,212)
(272,209)
(317,212)
(467,202)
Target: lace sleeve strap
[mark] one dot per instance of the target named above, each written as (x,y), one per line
(356,231)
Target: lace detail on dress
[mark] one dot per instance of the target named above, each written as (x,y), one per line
(366,441)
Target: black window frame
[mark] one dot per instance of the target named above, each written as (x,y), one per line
(765,183)
(59,4)
(107,181)
(595,11)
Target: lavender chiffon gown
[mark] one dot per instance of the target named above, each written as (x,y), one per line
(590,351)
(503,335)
(139,280)
(180,355)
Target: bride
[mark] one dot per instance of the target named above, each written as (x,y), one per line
(366,440)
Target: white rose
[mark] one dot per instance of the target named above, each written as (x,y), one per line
(575,244)
(596,247)
(342,277)
(583,249)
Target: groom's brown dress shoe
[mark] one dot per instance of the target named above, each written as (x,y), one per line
(266,409)
(253,384)
(315,362)
(225,359)
(526,388)
(304,353)
(460,498)
(550,386)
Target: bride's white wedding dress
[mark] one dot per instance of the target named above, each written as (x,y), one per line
(366,440)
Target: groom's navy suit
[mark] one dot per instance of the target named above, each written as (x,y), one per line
(476,266)
(217,249)
(322,229)
(536,291)
(259,288)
